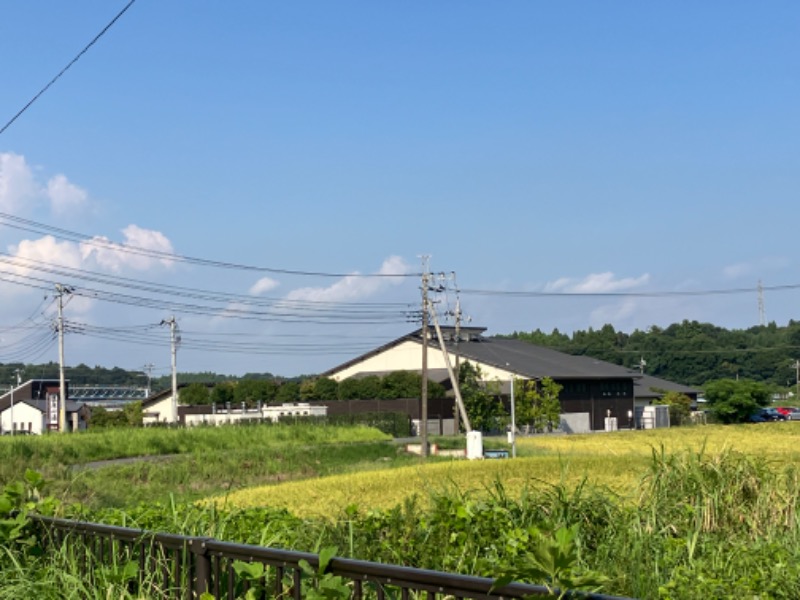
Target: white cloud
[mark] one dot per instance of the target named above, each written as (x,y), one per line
(30,255)
(596,283)
(116,257)
(353,287)
(21,191)
(46,250)
(263,285)
(18,187)
(65,197)
(755,267)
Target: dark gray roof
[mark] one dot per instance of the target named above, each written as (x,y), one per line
(522,358)
(535,362)
(648,386)
(41,405)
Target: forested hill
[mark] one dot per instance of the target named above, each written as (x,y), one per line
(115,376)
(691,353)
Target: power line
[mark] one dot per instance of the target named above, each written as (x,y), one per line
(655,294)
(62,271)
(65,234)
(64,70)
(215,303)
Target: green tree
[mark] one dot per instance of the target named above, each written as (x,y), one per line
(349,389)
(133,414)
(401,384)
(289,391)
(370,387)
(307,389)
(104,419)
(322,388)
(484,409)
(733,401)
(253,391)
(549,407)
(222,393)
(680,407)
(195,394)
(539,405)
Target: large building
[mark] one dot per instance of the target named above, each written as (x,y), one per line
(592,390)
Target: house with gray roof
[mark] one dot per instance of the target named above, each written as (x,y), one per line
(590,386)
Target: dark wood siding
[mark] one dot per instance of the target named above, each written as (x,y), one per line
(599,398)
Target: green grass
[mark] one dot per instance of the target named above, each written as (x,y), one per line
(190,463)
(704,512)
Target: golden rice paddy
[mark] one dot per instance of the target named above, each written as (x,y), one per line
(617,461)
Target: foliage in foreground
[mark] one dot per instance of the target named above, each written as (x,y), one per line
(700,526)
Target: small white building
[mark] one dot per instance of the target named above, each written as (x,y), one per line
(159,409)
(33,408)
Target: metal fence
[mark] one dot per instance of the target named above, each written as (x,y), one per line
(178,566)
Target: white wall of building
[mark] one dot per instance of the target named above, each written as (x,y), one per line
(25,417)
(407,356)
(223,416)
(160,412)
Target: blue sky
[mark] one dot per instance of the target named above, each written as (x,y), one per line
(526,146)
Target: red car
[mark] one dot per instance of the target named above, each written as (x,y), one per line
(786,410)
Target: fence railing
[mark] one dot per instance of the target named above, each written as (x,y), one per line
(178,566)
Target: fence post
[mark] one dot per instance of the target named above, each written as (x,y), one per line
(202,566)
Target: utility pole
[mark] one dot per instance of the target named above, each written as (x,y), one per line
(455,347)
(642,365)
(61,290)
(174,340)
(424,387)
(761,316)
(13,428)
(796,366)
(513,422)
(148,368)
(453,378)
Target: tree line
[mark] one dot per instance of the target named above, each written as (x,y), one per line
(690,352)
(251,392)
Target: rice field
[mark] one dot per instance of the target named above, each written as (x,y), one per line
(617,461)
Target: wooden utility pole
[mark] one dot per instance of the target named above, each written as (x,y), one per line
(424,387)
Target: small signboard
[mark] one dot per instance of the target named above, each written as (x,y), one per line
(52,410)
(495,454)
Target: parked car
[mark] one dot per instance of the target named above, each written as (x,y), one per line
(794,415)
(763,415)
(787,410)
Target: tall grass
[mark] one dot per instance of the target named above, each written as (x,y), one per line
(699,525)
(189,463)
(704,521)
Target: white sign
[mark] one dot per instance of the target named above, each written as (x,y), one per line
(52,409)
